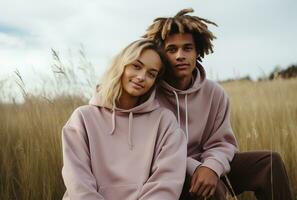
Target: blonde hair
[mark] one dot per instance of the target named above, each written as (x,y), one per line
(110,89)
(183,23)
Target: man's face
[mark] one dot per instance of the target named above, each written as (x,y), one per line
(181,53)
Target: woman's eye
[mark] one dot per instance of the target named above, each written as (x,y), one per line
(136,66)
(152,75)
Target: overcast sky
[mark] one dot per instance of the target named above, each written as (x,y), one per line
(253,36)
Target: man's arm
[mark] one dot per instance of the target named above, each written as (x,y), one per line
(218,152)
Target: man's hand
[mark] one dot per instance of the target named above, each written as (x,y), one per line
(203,182)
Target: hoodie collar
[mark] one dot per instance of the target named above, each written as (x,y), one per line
(147,106)
(197,83)
(198,78)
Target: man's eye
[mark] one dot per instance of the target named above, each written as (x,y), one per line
(188,48)
(171,50)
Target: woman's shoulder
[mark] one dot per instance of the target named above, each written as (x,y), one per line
(85,109)
(165,113)
(82,112)
(167,117)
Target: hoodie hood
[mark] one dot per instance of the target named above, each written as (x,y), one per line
(148,105)
(199,78)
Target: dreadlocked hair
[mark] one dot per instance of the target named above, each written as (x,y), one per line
(183,23)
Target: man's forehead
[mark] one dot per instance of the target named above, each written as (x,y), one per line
(179,39)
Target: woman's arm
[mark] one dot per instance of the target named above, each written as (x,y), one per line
(76,172)
(168,167)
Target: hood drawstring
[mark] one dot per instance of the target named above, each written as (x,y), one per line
(113,122)
(178,112)
(130,142)
(177,107)
(187,123)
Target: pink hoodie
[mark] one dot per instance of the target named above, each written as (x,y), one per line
(123,154)
(203,113)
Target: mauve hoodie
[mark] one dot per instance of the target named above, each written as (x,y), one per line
(123,154)
(203,113)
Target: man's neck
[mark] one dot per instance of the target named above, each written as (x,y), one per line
(180,83)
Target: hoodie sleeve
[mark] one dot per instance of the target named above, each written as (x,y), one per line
(168,168)
(77,175)
(219,149)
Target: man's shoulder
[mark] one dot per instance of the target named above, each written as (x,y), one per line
(213,86)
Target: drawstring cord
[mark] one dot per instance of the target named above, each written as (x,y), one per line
(187,123)
(130,131)
(177,107)
(130,142)
(178,112)
(113,122)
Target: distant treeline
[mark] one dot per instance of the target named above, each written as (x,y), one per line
(290,72)
(277,73)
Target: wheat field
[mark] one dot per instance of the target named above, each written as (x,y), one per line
(264,116)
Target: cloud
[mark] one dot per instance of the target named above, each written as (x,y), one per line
(250,33)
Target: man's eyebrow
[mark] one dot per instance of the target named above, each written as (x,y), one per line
(170,45)
(175,45)
(189,44)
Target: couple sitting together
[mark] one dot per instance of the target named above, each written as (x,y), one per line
(158,129)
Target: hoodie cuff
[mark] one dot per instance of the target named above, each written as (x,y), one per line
(213,164)
(192,165)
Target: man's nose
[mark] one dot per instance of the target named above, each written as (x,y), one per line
(180,55)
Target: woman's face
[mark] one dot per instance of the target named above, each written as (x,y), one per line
(139,76)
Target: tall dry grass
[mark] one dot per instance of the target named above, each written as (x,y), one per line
(30,152)
(264,116)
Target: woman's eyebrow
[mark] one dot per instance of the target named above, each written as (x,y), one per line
(153,69)
(140,62)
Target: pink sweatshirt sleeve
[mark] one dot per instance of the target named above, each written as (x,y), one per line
(220,147)
(76,172)
(192,164)
(168,168)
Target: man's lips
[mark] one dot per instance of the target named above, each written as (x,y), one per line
(182,65)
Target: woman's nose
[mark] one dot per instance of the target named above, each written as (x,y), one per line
(140,76)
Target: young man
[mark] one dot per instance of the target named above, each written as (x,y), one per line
(202,109)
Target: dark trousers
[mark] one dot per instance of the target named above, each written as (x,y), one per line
(262,172)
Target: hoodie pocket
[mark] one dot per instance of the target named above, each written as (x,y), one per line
(116,192)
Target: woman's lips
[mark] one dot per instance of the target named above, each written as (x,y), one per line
(137,85)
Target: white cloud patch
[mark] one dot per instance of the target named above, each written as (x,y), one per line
(251,34)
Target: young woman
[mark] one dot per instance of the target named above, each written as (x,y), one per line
(123,145)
